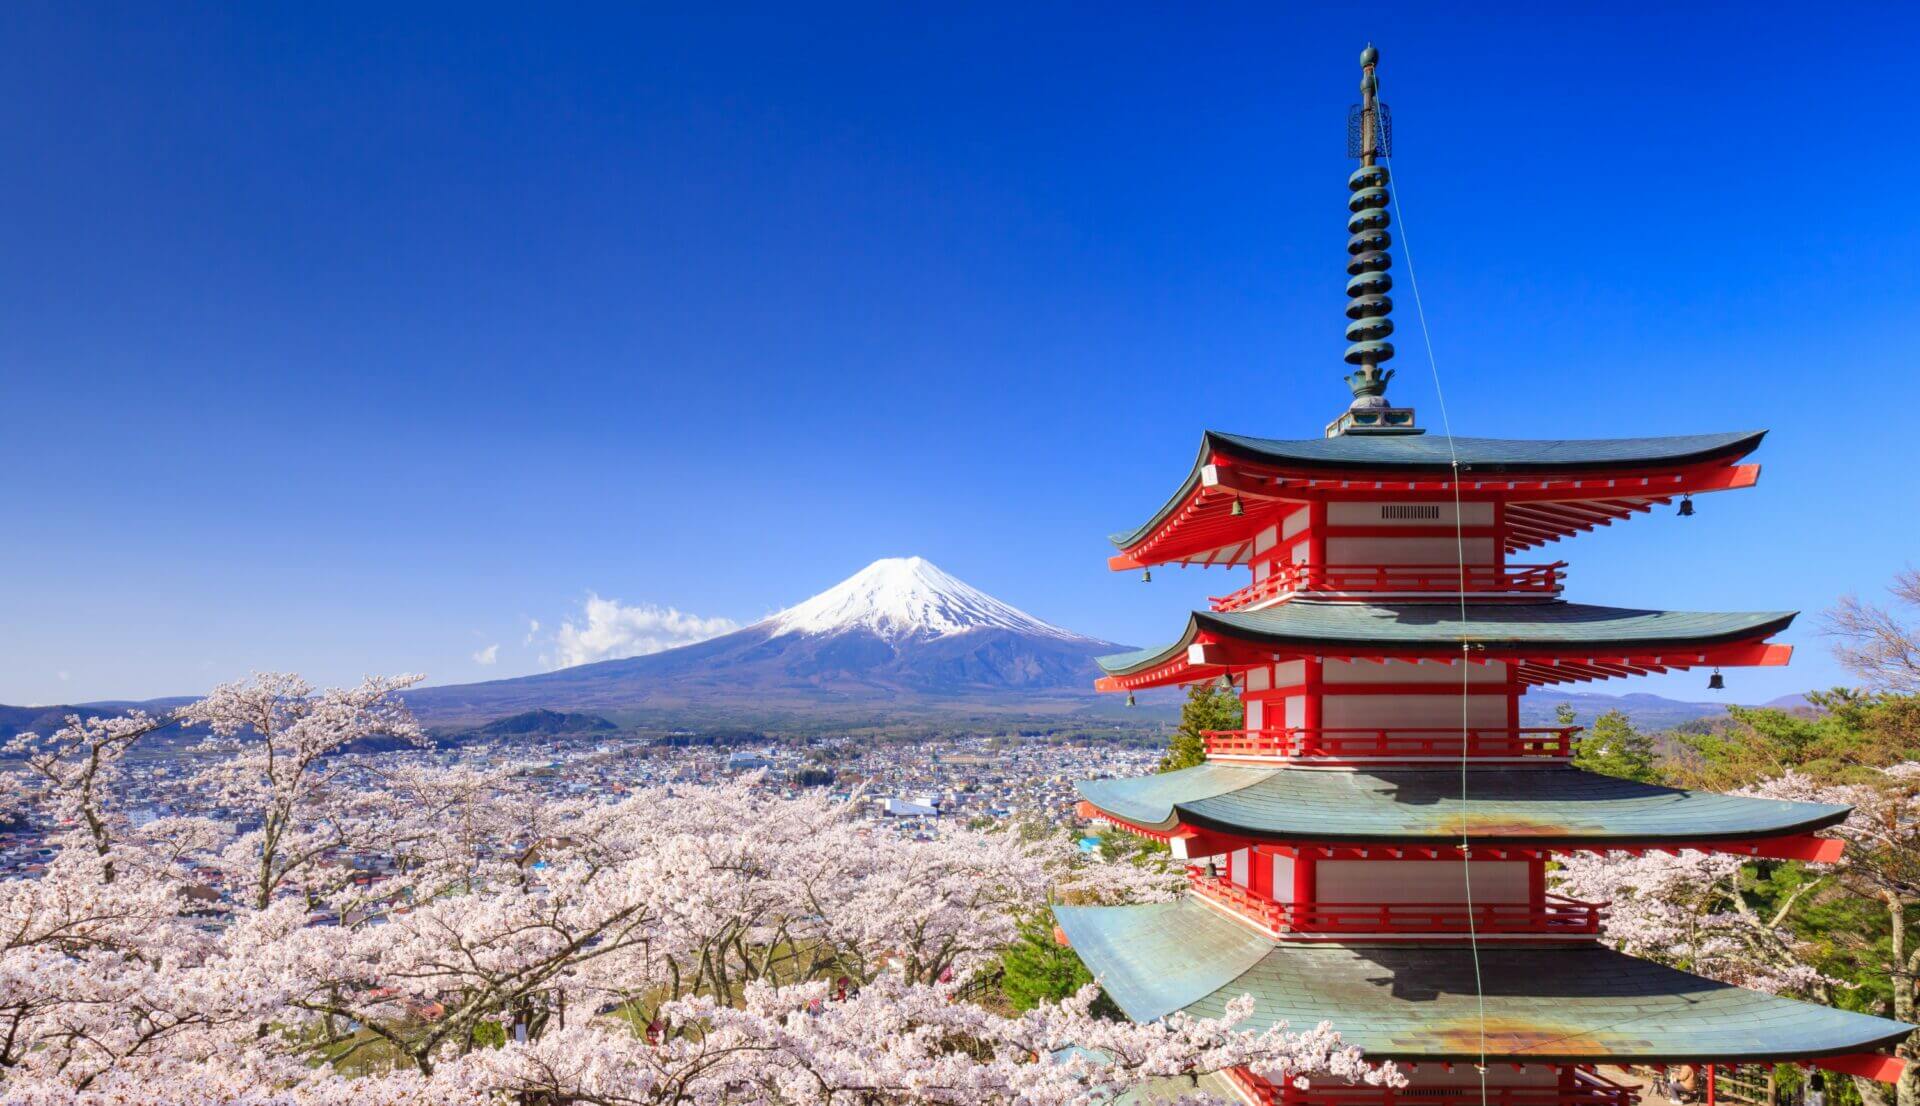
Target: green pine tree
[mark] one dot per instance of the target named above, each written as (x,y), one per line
(1208,707)
(1036,968)
(1612,747)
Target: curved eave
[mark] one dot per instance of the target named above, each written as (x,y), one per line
(1553,1003)
(1431,455)
(1553,642)
(1552,807)
(1302,469)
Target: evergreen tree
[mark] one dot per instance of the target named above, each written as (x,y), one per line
(1038,969)
(1208,707)
(1612,747)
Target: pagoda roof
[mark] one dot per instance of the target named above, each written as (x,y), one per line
(1561,1003)
(1313,462)
(1523,805)
(1433,454)
(1513,631)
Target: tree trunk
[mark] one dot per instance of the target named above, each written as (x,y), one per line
(1907,1091)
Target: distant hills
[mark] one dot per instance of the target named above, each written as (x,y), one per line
(46,719)
(898,643)
(546,723)
(1649,712)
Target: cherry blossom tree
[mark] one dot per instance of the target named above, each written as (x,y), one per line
(279,732)
(1875,643)
(1696,910)
(451,935)
(1881,864)
(1692,910)
(76,770)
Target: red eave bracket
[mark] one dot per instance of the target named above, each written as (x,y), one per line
(1819,850)
(1755,654)
(1121,562)
(1866,1065)
(1730,478)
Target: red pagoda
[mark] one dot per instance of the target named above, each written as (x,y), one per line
(1372,849)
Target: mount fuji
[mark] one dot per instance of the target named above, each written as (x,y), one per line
(898,638)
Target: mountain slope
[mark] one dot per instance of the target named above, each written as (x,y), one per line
(900,636)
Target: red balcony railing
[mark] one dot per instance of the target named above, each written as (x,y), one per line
(1222,890)
(1402,741)
(1556,915)
(1581,1088)
(1287,578)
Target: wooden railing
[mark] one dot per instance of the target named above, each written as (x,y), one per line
(1442,579)
(1222,890)
(1354,743)
(1556,915)
(1582,1088)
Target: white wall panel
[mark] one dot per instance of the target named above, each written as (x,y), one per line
(1408,551)
(1440,711)
(1406,672)
(1283,879)
(1435,881)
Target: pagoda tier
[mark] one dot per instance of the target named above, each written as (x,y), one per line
(1247,498)
(1412,854)
(1566,1004)
(1551,807)
(1524,643)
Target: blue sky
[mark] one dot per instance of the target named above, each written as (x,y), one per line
(343,339)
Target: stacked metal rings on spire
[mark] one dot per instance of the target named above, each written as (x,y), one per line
(1368,304)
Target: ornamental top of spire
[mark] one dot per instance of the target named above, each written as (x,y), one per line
(1369,138)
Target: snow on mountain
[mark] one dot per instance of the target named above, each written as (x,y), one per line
(901,598)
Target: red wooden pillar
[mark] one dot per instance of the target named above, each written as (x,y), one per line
(1260,870)
(1710,1084)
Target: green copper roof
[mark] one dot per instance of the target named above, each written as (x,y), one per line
(1486,455)
(1497,627)
(1512,805)
(1431,455)
(1568,1003)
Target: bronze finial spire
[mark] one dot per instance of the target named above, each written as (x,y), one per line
(1368,305)
(1369,137)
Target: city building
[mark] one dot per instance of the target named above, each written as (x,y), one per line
(1372,849)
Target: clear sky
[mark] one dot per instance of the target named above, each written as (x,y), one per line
(346,339)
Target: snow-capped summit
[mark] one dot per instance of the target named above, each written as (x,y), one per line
(899,598)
